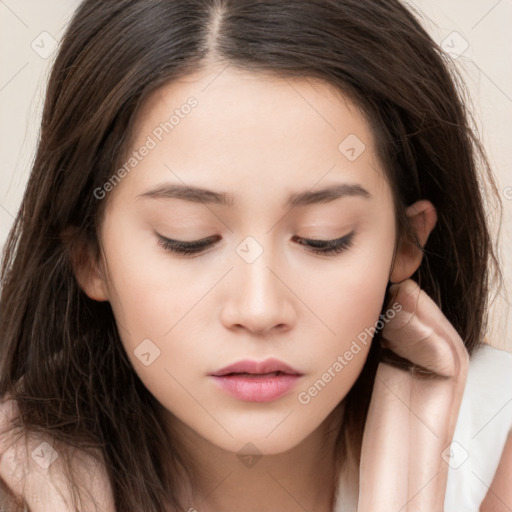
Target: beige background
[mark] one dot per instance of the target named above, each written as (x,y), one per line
(476,33)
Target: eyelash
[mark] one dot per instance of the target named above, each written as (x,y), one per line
(323,247)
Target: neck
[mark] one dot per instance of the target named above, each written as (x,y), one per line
(303,478)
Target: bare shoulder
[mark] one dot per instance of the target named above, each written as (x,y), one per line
(499,496)
(33,471)
(9,500)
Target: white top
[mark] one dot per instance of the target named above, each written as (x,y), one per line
(483,425)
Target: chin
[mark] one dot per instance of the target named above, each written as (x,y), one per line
(259,444)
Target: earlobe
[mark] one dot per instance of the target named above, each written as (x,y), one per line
(422,218)
(86,270)
(92,283)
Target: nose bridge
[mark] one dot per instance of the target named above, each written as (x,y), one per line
(256,260)
(259,300)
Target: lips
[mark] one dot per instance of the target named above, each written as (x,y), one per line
(257,381)
(247,368)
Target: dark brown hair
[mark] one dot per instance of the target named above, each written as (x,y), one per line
(113,56)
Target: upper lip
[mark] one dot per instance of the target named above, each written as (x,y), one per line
(257,367)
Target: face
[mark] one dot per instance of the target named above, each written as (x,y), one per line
(296,235)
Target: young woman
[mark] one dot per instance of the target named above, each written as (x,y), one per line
(250,267)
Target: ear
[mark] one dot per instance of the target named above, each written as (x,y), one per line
(86,268)
(423,218)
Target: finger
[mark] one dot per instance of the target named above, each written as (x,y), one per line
(385,449)
(34,470)
(410,422)
(24,467)
(424,410)
(46,488)
(434,408)
(421,333)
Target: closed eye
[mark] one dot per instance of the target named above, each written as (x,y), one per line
(187,248)
(325,247)
(328,246)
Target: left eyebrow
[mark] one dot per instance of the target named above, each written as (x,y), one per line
(327,194)
(201,195)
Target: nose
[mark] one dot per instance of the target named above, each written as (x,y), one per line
(258,297)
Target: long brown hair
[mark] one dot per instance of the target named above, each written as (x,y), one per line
(61,355)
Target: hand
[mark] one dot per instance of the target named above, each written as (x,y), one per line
(36,477)
(412,418)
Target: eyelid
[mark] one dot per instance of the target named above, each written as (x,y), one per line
(316,246)
(193,246)
(200,241)
(328,247)
(319,241)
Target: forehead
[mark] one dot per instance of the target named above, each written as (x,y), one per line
(253,129)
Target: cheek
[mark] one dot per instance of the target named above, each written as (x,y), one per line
(148,292)
(347,295)
(348,299)
(158,308)
(174,306)
(339,356)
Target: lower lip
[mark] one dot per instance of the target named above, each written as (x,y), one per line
(257,389)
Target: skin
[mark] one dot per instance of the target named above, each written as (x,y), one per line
(262,138)
(412,419)
(499,496)
(208,311)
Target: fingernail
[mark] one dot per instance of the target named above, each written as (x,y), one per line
(393,288)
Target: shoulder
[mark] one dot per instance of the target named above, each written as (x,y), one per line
(33,470)
(499,496)
(490,360)
(10,501)
(487,403)
(488,393)
(483,427)
(490,386)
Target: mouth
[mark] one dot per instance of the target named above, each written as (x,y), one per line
(253,375)
(253,381)
(247,368)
